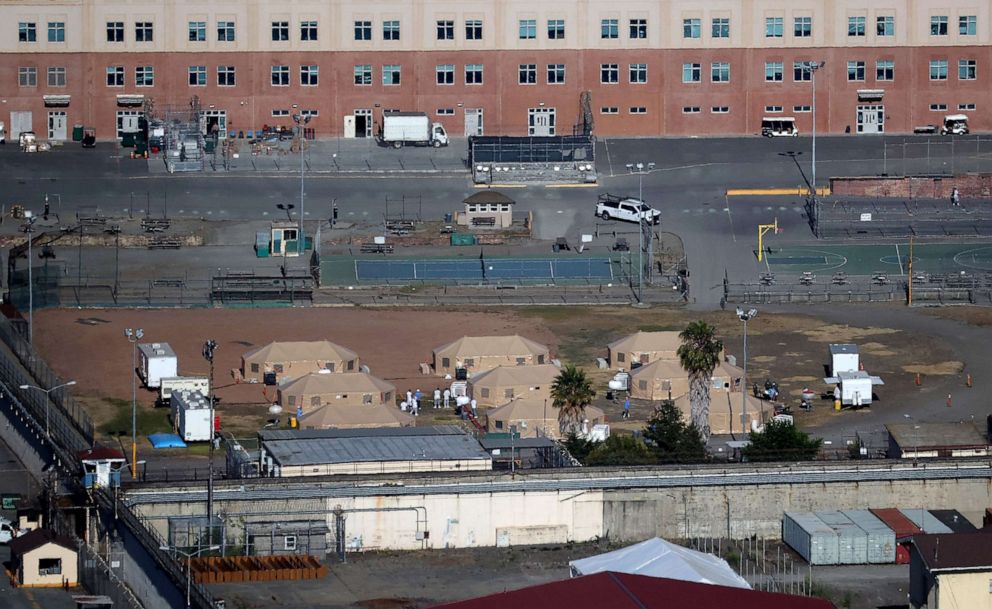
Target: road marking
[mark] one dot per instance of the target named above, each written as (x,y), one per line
(899,258)
(609,161)
(773,192)
(499,185)
(592,185)
(730,218)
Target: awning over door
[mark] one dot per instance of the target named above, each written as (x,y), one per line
(870,95)
(130,100)
(56,101)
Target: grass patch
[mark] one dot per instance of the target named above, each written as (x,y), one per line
(150,420)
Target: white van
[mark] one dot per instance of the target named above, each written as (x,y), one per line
(779,126)
(3,133)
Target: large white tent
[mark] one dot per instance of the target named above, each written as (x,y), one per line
(659,558)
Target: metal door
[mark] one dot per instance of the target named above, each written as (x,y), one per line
(56,125)
(127,122)
(20,121)
(541,122)
(871,119)
(363,123)
(349,126)
(473,122)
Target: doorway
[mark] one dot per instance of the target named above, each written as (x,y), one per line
(216,120)
(127,122)
(56,125)
(363,123)
(20,122)
(871,119)
(473,122)
(541,122)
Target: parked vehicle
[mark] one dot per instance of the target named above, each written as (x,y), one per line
(401,128)
(628,209)
(955,124)
(3,133)
(782,126)
(8,531)
(89,137)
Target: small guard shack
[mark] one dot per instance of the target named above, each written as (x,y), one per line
(282,239)
(102,467)
(44,559)
(487,209)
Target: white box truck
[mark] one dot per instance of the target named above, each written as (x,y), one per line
(155,362)
(192,416)
(401,128)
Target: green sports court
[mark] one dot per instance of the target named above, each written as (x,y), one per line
(892,258)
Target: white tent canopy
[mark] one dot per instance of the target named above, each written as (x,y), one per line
(659,558)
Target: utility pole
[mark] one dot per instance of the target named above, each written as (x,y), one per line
(133,336)
(301,121)
(745,316)
(208,354)
(812,67)
(640,171)
(30,217)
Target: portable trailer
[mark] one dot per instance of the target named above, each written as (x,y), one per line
(155,362)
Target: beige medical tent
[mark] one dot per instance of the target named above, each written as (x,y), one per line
(643,347)
(500,385)
(725,411)
(321,388)
(480,353)
(665,380)
(296,358)
(337,415)
(534,418)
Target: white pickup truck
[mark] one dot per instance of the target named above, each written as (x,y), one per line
(612,207)
(8,531)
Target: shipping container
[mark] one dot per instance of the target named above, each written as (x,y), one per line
(810,537)
(852,541)
(881,539)
(902,527)
(926,521)
(954,521)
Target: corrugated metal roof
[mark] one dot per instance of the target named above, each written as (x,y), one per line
(309,434)
(954,520)
(925,520)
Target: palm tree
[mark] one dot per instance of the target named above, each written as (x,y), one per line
(571,392)
(699,355)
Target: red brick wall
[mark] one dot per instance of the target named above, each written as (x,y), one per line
(969,185)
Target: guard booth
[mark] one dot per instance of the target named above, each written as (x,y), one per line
(282,239)
(102,467)
(487,209)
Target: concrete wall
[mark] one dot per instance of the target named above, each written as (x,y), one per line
(969,185)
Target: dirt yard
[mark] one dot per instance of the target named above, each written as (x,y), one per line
(90,347)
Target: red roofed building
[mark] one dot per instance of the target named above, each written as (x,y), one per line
(622,591)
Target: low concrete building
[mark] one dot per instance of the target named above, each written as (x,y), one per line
(288,453)
(534,418)
(480,353)
(505,383)
(643,348)
(311,391)
(930,440)
(487,209)
(44,559)
(336,415)
(950,571)
(295,358)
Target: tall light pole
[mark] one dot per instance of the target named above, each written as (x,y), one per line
(28,229)
(133,336)
(812,67)
(301,121)
(208,354)
(639,169)
(745,316)
(48,398)
(189,559)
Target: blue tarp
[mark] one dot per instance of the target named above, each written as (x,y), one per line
(166,440)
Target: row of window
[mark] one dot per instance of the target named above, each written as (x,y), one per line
(797,109)
(857,26)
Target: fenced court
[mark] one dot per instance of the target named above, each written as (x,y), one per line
(485,269)
(869,259)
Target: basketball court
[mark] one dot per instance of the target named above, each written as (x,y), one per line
(867,259)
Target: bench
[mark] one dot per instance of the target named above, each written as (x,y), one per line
(376,248)
(164,243)
(486,221)
(155,225)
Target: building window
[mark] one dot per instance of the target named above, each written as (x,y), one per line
(198,31)
(289,541)
(938,25)
(855,70)
(721,27)
(938,69)
(115,31)
(315,114)
(803,27)
(527,29)
(198,78)
(692,72)
(49,566)
(773,71)
(56,31)
(444,74)
(885,25)
(440,112)
(609,110)
(280,76)
(855,26)
(556,29)
(885,69)
(363,75)
(315,401)
(445,29)
(638,29)
(638,73)
(144,76)
(691,28)
(309,75)
(720,72)
(967,69)
(225,31)
(527,74)
(27,77)
(115,76)
(226,77)
(27,31)
(802,109)
(690,109)
(390,75)
(56,77)
(363,30)
(280,31)
(773,109)
(938,107)
(144,31)
(473,29)
(473,74)
(967,25)
(609,73)
(390,30)
(556,73)
(963,107)
(800,72)
(609,28)
(308,31)
(638,110)
(774,27)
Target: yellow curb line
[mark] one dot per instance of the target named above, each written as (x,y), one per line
(753,192)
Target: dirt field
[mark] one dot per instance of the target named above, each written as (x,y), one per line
(89,346)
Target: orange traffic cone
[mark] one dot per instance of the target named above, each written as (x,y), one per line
(967,380)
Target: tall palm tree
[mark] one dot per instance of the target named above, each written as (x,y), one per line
(571,392)
(699,355)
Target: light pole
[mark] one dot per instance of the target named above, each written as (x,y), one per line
(812,67)
(638,168)
(48,395)
(745,316)
(28,229)
(133,336)
(301,121)
(208,354)
(189,559)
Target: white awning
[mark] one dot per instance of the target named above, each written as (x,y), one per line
(130,100)
(870,94)
(56,101)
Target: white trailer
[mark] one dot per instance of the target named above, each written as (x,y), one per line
(192,416)
(155,362)
(400,128)
(172,384)
(844,358)
(855,387)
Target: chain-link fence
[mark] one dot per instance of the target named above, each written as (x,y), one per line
(99,578)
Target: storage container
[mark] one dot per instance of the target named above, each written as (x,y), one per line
(810,537)
(881,539)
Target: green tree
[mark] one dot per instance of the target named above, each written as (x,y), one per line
(699,355)
(781,441)
(571,392)
(621,450)
(578,447)
(672,439)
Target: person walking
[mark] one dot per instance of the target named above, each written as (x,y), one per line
(437,397)
(447,398)
(626,407)
(955,198)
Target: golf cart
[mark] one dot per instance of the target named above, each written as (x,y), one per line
(783,126)
(955,124)
(89,137)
